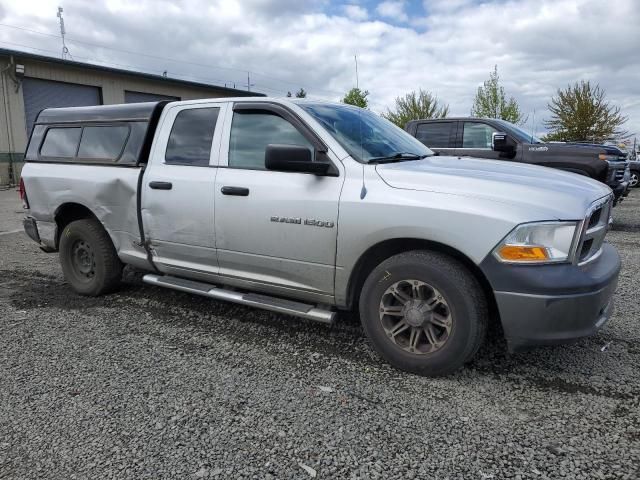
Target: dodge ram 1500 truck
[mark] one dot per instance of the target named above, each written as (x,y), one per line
(473,137)
(307,208)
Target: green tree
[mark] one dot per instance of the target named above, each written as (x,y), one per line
(491,102)
(582,112)
(357,97)
(301,93)
(288,94)
(416,106)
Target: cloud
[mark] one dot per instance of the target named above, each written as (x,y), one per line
(445,5)
(538,45)
(393,10)
(355,12)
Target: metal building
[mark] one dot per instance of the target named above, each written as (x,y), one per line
(29,83)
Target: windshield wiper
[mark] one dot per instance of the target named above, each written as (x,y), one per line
(397,157)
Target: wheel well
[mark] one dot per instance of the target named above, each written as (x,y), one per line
(67,213)
(383,250)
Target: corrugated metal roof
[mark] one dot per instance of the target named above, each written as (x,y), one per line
(133,73)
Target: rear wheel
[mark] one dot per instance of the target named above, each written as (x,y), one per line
(424,312)
(88,259)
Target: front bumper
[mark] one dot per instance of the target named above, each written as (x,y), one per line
(620,191)
(549,304)
(618,177)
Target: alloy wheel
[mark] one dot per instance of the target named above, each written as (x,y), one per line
(415,316)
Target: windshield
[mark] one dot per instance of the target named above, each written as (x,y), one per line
(366,136)
(518,132)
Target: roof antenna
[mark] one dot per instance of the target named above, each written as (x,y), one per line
(63,32)
(363,191)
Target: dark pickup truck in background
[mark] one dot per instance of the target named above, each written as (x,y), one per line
(500,140)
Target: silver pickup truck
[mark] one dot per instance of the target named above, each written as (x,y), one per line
(307,208)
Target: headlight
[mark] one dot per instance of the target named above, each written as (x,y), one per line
(541,242)
(610,158)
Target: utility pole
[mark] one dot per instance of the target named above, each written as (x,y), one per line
(533,125)
(63,32)
(249,84)
(357,83)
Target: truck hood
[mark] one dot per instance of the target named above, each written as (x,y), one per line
(575,150)
(549,192)
(594,148)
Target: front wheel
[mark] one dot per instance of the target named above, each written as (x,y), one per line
(88,259)
(424,312)
(635,178)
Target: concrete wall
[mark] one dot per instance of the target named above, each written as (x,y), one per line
(13,135)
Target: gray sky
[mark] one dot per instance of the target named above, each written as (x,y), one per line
(447,47)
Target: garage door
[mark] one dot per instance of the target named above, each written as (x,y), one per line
(139,97)
(39,94)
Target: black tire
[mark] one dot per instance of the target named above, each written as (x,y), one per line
(445,283)
(635,179)
(88,258)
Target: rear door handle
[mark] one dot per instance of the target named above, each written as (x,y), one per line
(161,185)
(237,191)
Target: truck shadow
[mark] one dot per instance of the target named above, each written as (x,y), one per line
(294,340)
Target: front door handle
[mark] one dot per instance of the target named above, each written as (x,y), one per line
(237,191)
(161,185)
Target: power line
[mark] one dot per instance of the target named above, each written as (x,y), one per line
(157,57)
(99,62)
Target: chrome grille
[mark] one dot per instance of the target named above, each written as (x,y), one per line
(616,171)
(594,229)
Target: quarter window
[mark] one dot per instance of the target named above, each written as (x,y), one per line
(251,132)
(103,142)
(434,135)
(61,142)
(477,135)
(191,137)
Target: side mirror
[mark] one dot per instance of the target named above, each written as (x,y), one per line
(292,158)
(500,142)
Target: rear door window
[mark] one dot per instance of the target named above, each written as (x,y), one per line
(435,135)
(191,137)
(103,142)
(61,142)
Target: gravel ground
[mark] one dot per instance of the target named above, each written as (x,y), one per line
(150,383)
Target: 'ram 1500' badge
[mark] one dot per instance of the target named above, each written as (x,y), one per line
(286,220)
(538,149)
(312,222)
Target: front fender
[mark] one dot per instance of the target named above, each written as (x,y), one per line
(472,227)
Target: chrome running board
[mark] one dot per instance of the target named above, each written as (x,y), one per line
(265,302)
